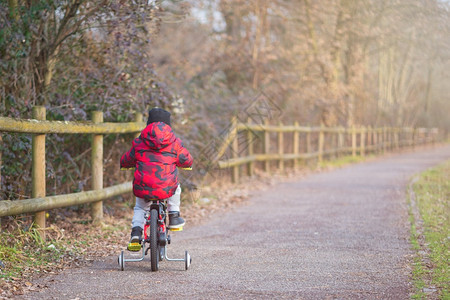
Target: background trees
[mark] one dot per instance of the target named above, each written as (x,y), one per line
(73,57)
(336,62)
(331,61)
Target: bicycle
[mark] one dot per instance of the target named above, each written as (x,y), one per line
(157,237)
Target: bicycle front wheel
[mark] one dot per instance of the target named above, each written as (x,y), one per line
(154,240)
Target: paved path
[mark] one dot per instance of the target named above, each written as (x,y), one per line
(336,235)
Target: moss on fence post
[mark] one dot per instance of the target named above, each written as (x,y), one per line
(97,167)
(38,169)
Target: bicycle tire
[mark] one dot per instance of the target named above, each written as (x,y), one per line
(154,240)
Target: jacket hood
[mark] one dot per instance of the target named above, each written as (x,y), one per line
(158,135)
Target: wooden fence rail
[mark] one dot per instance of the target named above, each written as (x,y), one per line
(67,127)
(318,143)
(39,127)
(16,207)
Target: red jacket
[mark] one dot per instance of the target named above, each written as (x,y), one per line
(156,154)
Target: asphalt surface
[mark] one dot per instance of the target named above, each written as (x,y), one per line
(334,235)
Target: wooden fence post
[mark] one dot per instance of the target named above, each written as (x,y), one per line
(321,144)
(397,138)
(353,141)
(138,118)
(375,139)
(393,138)
(433,139)
(97,167)
(384,139)
(251,164)
(390,138)
(281,147)
(362,142)
(266,146)
(235,150)
(401,137)
(405,131)
(296,144)
(38,169)
(340,140)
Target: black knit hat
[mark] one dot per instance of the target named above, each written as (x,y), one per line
(158,115)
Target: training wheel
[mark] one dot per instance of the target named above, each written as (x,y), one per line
(121,261)
(187,260)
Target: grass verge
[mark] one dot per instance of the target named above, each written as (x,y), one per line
(71,241)
(430,233)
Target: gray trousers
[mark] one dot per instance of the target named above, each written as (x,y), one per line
(142,206)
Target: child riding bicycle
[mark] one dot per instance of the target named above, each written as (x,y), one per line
(155,155)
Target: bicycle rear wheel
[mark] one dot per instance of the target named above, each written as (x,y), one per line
(154,240)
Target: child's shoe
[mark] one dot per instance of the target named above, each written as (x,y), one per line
(135,241)
(175,221)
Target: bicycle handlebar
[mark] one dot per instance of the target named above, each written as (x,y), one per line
(188,168)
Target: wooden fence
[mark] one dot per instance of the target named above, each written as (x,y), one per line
(251,143)
(247,144)
(39,127)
